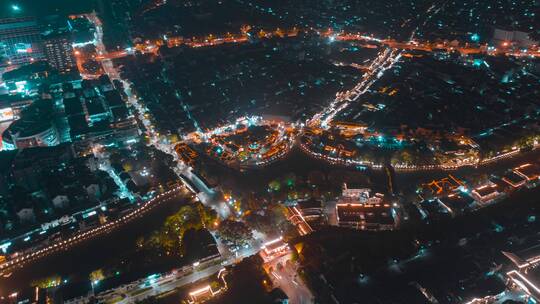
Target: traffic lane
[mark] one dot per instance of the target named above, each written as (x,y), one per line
(284,275)
(287,279)
(302,292)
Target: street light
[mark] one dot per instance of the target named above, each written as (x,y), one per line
(94,283)
(15,8)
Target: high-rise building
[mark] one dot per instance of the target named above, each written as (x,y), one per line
(58,51)
(20,41)
(512,38)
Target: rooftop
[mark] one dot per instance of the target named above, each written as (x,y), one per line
(487,189)
(95,107)
(529,171)
(73,106)
(370,213)
(514,179)
(309,204)
(456,201)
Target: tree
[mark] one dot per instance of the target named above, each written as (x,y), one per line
(260,223)
(48,282)
(233,232)
(197,244)
(290,180)
(215,285)
(405,157)
(170,236)
(208,216)
(96,275)
(274,185)
(168,239)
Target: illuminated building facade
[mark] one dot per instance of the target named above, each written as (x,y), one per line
(376,217)
(355,192)
(274,249)
(20,41)
(59,52)
(518,38)
(6,114)
(358,209)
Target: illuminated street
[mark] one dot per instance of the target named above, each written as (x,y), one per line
(24,258)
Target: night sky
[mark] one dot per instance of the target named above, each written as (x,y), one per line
(43,7)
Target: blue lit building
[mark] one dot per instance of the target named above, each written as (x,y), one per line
(20,41)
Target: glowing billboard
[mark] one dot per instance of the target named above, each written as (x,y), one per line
(6,114)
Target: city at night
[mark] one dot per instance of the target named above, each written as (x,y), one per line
(270,151)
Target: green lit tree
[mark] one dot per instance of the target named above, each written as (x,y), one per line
(208,216)
(48,282)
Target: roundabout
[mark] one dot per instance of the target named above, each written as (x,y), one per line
(250,142)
